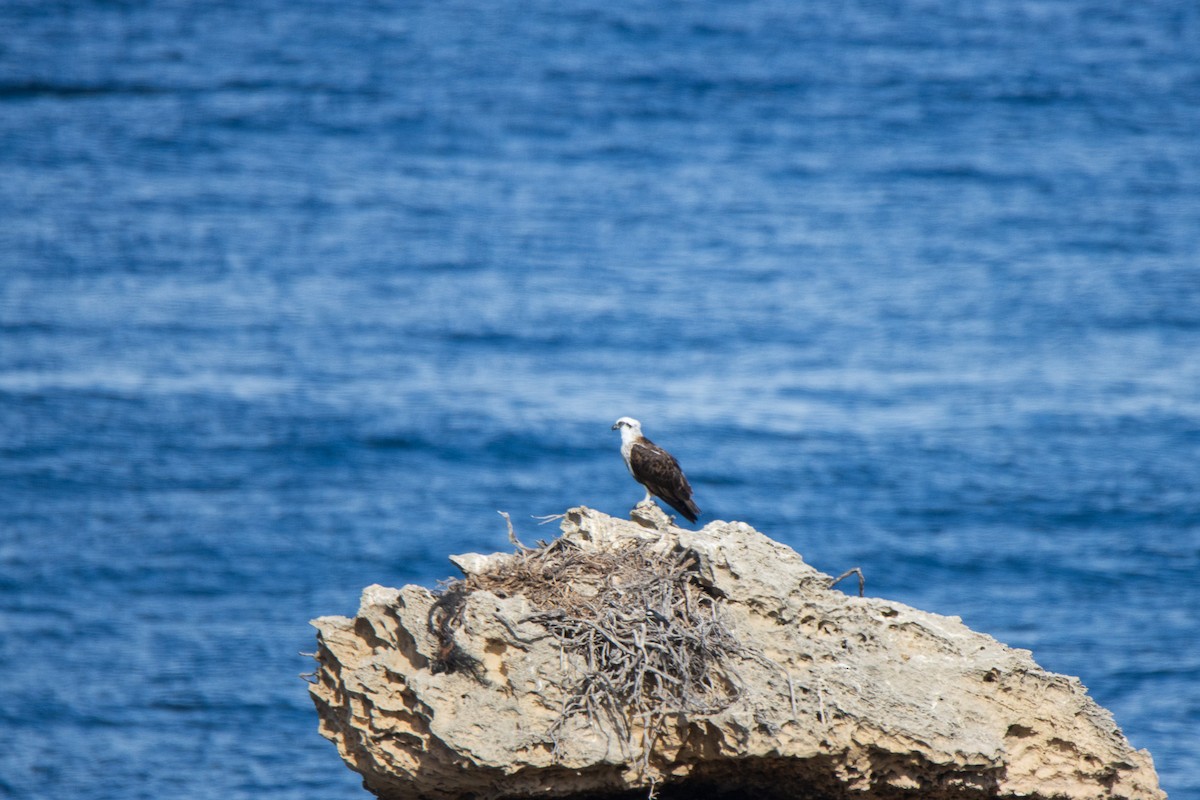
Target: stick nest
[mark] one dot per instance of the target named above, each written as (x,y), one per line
(649,640)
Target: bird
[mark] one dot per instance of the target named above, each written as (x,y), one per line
(655,469)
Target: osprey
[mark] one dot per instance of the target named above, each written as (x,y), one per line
(655,468)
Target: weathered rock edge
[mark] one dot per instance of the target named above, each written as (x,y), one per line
(883,700)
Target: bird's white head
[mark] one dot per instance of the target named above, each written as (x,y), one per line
(629,427)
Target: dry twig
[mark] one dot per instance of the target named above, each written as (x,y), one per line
(862,581)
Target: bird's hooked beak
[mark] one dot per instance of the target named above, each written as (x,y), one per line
(615,426)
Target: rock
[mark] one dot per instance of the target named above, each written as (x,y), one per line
(736,671)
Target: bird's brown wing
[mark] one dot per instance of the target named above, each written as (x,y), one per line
(659,472)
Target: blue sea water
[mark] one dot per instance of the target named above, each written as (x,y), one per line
(295,295)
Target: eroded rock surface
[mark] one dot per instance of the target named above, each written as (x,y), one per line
(819,695)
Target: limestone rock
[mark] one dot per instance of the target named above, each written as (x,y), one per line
(825,695)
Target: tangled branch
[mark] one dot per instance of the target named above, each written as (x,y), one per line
(649,639)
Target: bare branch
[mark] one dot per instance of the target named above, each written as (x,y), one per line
(862,582)
(512,535)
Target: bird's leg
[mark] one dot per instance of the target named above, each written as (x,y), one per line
(648,500)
